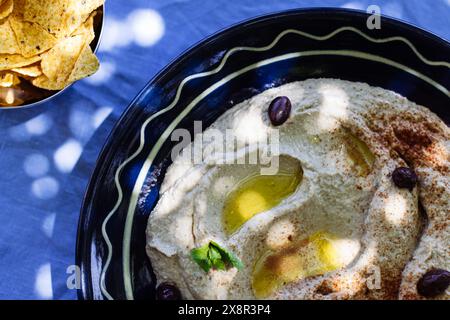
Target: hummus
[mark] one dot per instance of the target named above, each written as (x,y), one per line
(331,224)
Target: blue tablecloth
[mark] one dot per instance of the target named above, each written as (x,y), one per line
(47,154)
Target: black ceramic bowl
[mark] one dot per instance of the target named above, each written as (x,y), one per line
(210,78)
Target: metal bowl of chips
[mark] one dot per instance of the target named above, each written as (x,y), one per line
(57,47)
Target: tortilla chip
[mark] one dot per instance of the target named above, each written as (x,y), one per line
(57,63)
(86,65)
(10,61)
(31,37)
(6,8)
(59,17)
(8,79)
(32,71)
(87,29)
(47,13)
(8,43)
(19,8)
(45,83)
(85,8)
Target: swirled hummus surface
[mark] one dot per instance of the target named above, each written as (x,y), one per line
(331,224)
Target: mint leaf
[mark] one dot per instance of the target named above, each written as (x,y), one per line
(212,255)
(227,256)
(216,258)
(200,256)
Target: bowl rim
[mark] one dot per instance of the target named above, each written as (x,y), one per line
(85,291)
(97,38)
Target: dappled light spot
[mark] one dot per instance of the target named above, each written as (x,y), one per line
(45,188)
(280,234)
(17,133)
(353,5)
(193,178)
(104,74)
(346,250)
(43,282)
(67,155)
(395,208)
(437,154)
(9,97)
(249,127)
(36,126)
(143,27)
(48,225)
(39,125)
(36,165)
(147,26)
(80,123)
(114,35)
(333,108)
(100,116)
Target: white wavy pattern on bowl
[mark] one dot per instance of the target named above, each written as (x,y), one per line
(149,160)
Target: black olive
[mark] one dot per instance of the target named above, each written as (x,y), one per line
(167,291)
(279,110)
(404,178)
(433,283)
